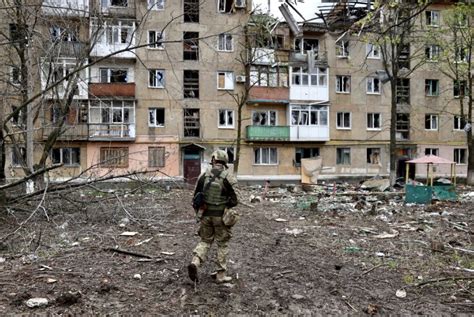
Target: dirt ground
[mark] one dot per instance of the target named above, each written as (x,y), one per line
(324,251)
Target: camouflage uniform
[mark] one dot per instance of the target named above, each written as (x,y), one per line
(219,196)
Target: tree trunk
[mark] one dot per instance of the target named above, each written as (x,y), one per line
(393,132)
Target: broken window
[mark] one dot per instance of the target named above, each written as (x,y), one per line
(226,118)
(460,156)
(373,51)
(302,153)
(190,46)
(155,39)
(225,42)
(343,83)
(230,152)
(431,87)
(459,88)
(374,121)
(156,156)
(267,76)
(119,32)
(69,156)
(342,48)
(266,117)
(15,75)
(225,6)
(225,80)
(113,75)
(17,116)
(373,85)
(59,33)
(265,156)
(343,120)
(191,123)
(156,4)
(156,117)
(303,45)
(114,156)
(432,18)
(119,3)
(191,84)
(309,115)
(343,156)
(459,123)
(191,11)
(431,122)
(404,56)
(373,155)
(403,126)
(302,77)
(431,151)
(461,54)
(432,52)
(156,78)
(403,90)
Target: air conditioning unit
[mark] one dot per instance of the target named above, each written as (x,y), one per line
(240,79)
(240,4)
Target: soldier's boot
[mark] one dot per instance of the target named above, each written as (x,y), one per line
(193,268)
(221,277)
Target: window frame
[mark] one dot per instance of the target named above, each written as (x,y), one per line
(230,155)
(459,123)
(269,155)
(155,6)
(156,45)
(301,152)
(306,114)
(223,7)
(110,162)
(162,159)
(341,83)
(229,80)
(460,156)
(226,125)
(341,153)
(154,111)
(429,118)
(153,72)
(342,48)
(71,162)
(371,151)
(459,86)
(224,41)
(371,49)
(432,18)
(372,118)
(431,87)
(341,118)
(109,75)
(432,52)
(372,81)
(268,118)
(432,151)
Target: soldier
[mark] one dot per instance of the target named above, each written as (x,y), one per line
(217,186)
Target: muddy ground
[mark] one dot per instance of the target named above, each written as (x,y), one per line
(326,251)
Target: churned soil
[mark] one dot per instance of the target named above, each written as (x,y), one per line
(286,256)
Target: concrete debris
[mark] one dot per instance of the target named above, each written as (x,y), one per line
(386,235)
(137,277)
(2,260)
(297,296)
(37,302)
(401,293)
(255,199)
(280,220)
(51,280)
(129,233)
(294,231)
(380,185)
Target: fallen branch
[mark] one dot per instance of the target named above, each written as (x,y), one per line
(371,269)
(128,252)
(443,279)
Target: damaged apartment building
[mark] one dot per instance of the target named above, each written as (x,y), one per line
(158,86)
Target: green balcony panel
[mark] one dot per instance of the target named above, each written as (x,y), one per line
(268,133)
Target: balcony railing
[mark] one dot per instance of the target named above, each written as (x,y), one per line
(315,57)
(112,89)
(281,94)
(70,49)
(268,133)
(111,131)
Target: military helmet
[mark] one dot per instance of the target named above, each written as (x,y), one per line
(220,155)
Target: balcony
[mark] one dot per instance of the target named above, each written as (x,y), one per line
(263,56)
(311,58)
(70,49)
(309,133)
(78,132)
(112,89)
(111,131)
(71,8)
(269,94)
(267,133)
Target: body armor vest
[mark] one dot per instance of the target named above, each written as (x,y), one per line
(214,196)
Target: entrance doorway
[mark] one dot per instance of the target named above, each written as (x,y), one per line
(191,163)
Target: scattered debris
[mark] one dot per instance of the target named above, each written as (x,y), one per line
(294,231)
(280,220)
(129,233)
(51,280)
(401,293)
(37,302)
(376,184)
(167,253)
(69,298)
(143,241)
(297,296)
(137,277)
(128,252)
(386,235)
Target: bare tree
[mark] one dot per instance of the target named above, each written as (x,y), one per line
(452,44)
